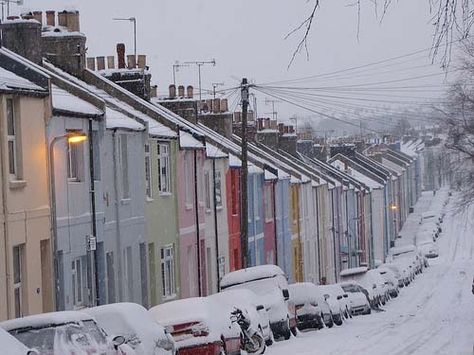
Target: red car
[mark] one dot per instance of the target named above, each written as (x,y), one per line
(199,326)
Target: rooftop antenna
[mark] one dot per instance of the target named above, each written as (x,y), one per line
(8,2)
(199,65)
(272,102)
(214,86)
(134,21)
(176,67)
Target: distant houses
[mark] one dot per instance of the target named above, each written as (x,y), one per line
(111,194)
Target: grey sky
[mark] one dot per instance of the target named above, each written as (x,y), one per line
(246,37)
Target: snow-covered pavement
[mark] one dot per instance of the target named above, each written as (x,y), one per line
(433,315)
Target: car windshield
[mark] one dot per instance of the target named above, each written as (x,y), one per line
(70,338)
(260,287)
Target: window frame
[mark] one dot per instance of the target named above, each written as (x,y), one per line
(125,178)
(168,272)
(164,168)
(207,191)
(18,278)
(148,172)
(268,203)
(12,138)
(188,191)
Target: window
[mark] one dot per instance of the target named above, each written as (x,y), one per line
(167,271)
(74,161)
(207,190)
(234,183)
(218,188)
(148,189)
(18,275)
(188,191)
(124,165)
(164,168)
(78,268)
(96,157)
(256,197)
(12,139)
(127,257)
(268,201)
(110,277)
(199,174)
(144,273)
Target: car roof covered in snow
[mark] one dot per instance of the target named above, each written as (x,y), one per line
(354,271)
(301,292)
(250,274)
(402,249)
(194,309)
(45,319)
(10,345)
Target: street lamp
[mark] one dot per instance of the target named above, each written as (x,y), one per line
(134,20)
(75,137)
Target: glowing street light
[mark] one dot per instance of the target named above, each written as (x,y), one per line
(76,137)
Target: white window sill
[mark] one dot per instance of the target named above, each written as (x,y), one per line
(149,199)
(268,220)
(169,298)
(188,206)
(73,180)
(219,208)
(125,201)
(165,194)
(17,184)
(208,210)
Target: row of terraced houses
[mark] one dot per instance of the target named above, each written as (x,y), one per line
(109,193)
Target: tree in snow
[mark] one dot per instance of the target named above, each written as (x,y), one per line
(452,20)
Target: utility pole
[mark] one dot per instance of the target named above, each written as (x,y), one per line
(199,65)
(243,176)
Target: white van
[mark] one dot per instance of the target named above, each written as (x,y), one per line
(270,283)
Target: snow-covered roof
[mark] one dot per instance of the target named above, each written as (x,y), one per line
(11,81)
(303,292)
(214,152)
(249,274)
(270,176)
(44,319)
(116,119)
(187,141)
(65,101)
(234,161)
(364,179)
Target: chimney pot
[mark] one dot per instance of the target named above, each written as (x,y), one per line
(181,91)
(274,124)
(224,105)
(172,91)
(51,18)
(154,91)
(190,91)
(110,62)
(91,63)
(27,16)
(100,63)
(121,55)
(38,16)
(142,61)
(131,61)
(72,21)
(259,124)
(285,129)
(281,128)
(13,18)
(62,18)
(267,123)
(216,105)
(291,129)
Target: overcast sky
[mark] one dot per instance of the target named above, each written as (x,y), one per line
(246,37)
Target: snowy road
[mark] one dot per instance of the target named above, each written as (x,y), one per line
(434,315)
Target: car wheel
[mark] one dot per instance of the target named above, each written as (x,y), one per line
(349,313)
(338,319)
(286,332)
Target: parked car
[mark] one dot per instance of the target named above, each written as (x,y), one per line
(132,321)
(331,297)
(391,281)
(309,305)
(342,298)
(270,284)
(354,288)
(199,325)
(428,249)
(399,273)
(374,285)
(67,333)
(12,346)
(248,302)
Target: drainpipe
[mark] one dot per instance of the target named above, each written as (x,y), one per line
(275,221)
(371,244)
(96,300)
(117,213)
(348,221)
(196,209)
(334,236)
(317,238)
(216,229)
(5,227)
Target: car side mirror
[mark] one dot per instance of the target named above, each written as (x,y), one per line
(286,294)
(339,297)
(260,307)
(118,340)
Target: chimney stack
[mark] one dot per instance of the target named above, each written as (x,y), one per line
(291,129)
(154,91)
(91,63)
(27,16)
(121,55)
(51,18)
(62,18)
(190,91)
(72,21)
(100,63)
(172,91)
(23,38)
(131,61)
(281,128)
(216,103)
(142,61)
(181,91)
(111,62)
(259,124)
(38,16)
(224,105)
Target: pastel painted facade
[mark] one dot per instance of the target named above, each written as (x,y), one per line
(295,222)
(269,220)
(256,244)
(283,227)
(233,217)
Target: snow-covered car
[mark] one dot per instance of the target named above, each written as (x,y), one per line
(67,333)
(12,346)
(368,280)
(199,325)
(342,298)
(132,321)
(399,273)
(428,249)
(430,227)
(431,216)
(330,296)
(308,305)
(270,284)
(359,303)
(249,303)
(353,287)
(391,281)
(381,285)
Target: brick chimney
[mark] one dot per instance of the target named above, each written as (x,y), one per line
(51,18)
(181,91)
(190,91)
(172,91)
(287,139)
(121,55)
(23,37)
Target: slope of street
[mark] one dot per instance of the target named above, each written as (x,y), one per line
(433,315)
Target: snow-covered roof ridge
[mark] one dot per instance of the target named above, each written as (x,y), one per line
(69,103)
(249,274)
(117,120)
(39,320)
(11,81)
